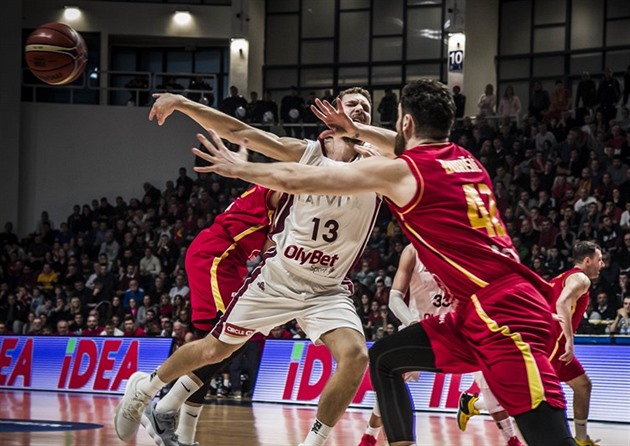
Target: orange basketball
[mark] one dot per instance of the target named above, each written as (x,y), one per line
(56,53)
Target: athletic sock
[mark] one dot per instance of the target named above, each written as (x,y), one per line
(187,427)
(580,429)
(152,385)
(480,403)
(179,393)
(318,434)
(506,427)
(373,431)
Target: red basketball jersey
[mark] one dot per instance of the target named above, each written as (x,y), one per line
(245,223)
(577,312)
(454,224)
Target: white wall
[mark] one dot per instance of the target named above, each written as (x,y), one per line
(72,154)
(482,24)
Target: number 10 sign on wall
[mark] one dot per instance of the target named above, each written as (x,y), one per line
(456,60)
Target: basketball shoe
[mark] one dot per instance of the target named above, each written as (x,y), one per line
(514,441)
(587,442)
(466,409)
(368,440)
(129,410)
(160,426)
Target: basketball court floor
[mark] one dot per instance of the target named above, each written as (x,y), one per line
(71,419)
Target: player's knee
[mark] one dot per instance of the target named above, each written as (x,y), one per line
(214,351)
(355,356)
(585,385)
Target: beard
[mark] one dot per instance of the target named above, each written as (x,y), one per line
(400,144)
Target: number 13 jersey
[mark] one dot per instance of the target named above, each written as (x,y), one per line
(320,237)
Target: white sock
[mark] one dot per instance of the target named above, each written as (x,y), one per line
(506,427)
(480,404)
(187,427)
(580,429)
(373,431)
(318,434)
(152,385)
(179,393)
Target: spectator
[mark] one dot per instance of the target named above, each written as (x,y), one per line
(280,332)
(603,308)
(150,267)
(134,292)
(201,91)
(111,329)
(130,327)
(510,105)
(171,85)
(388,109)
(234,105)
(179,288)
(138,90)
(621,324)
(311,131)
(48,278)
(560,101)
(487,102)
(63,328)
(538,101)
(291,112)
(91,327)
(608,95)
(460,102)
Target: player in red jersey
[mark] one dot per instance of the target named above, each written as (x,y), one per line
(216,267)
(571,297)
(442,197)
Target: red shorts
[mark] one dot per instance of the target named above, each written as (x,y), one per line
(565,371)
(215,272)
(504,332)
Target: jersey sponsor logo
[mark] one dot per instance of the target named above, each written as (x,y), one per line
(235,330)
(460,165)
(315,257)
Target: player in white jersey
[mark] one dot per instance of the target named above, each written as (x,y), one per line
(426,299)
(318,238)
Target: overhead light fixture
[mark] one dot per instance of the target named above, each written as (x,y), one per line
(182,17)
(71,12)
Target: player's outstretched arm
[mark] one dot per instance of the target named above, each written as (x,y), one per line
(340,124)
(400,286)
(575,286)
(227,127)
(391,178)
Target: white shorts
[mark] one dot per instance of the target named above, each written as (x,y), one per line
(272,296)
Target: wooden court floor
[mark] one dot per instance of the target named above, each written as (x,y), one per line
(243,424)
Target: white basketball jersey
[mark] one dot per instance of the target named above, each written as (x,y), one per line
(320,237)
(426,298)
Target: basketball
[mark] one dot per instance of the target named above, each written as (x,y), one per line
(55,53)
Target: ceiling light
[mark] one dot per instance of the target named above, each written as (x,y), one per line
(71,12)
(182,17)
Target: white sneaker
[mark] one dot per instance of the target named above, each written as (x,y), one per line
(160,426)
(130,409)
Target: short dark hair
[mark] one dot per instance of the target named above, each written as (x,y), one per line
(431,106)
(584,249)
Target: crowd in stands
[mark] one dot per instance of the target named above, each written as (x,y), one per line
(560,174)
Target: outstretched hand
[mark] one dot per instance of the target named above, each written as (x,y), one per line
(223,161)
(163,106)
(336,119)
